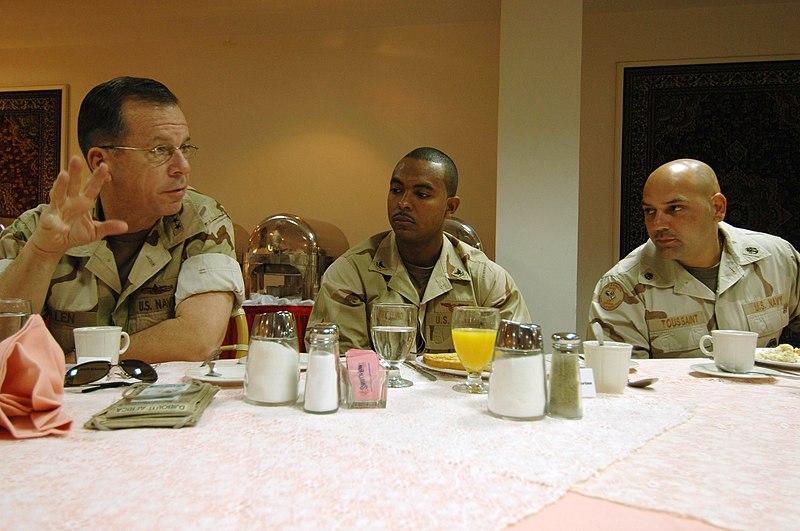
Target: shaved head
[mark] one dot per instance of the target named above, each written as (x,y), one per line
(683,206)
(692,176)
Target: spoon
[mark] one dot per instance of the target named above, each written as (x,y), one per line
(211,361)
(643,382)
(597,330)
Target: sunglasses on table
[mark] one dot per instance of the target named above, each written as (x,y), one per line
(91,371)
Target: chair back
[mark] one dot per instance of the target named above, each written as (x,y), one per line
(242,334)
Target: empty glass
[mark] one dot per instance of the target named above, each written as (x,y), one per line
(394,330)
(272,371)
(13,315)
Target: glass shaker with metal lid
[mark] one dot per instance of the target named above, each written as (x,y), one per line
(517,385)
(565,379)
(322,376)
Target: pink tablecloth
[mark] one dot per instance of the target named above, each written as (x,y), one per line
(695,446)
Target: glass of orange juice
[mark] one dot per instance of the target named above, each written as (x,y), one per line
(474,331)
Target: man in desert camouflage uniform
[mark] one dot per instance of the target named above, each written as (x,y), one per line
(415,263)
(696,273)
(135,247)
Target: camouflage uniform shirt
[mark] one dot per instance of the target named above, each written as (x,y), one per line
(660,308)
(373,272)
(184,254)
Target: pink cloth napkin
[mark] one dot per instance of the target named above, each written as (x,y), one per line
(32,383)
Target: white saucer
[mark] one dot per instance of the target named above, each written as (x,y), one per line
(231,373)
(711,370)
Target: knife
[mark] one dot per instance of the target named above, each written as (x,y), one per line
(427,374)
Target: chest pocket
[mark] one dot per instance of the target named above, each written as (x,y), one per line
(677,337)
(767,323)
(151,305)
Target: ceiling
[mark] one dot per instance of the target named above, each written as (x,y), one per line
(26,24)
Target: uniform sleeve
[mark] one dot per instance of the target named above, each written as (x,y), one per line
(794,295)
(342,300)
(494,288)
(207,272)
(12,239)
(211,263)
(621,314)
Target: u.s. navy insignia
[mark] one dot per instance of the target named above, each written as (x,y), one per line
(611,296)
(751,250)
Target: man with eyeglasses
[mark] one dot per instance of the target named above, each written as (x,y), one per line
(135,246)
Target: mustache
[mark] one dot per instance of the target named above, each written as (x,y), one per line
(663,233)
(403,217)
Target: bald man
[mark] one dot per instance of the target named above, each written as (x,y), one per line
(696,273)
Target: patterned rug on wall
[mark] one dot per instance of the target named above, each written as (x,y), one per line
(30,148)
(743,119)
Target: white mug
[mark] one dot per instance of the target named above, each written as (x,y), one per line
(733,350)
(610,363)
(100,343)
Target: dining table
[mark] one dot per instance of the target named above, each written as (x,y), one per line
(693,451)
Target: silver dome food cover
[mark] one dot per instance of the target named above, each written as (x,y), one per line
(287,256)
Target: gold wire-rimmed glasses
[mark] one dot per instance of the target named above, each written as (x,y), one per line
(160,154)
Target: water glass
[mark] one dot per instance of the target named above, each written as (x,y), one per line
(272,370)
(13,315)
(394,330)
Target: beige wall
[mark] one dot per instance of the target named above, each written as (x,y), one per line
(538,146)
(673,35)
(310,123)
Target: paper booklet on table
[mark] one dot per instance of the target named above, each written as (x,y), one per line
(156,406)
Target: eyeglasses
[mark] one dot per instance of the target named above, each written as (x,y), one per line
(91,371)
(160,154)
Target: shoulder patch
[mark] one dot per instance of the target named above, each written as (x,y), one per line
(611,296)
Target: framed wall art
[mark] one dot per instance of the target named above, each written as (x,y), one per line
(741,118)
(33,129)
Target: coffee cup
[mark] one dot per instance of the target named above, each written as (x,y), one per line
(610,363)
(100,343)
(732,350)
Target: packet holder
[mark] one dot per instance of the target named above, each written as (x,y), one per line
(363,384)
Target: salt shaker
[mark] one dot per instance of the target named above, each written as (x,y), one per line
(322,379)
(565,378)
(517,385)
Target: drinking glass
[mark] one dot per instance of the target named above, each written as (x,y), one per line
(272,370)
(474,332)
(394,330)
(13,314)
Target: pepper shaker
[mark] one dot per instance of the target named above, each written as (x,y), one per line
(565,379)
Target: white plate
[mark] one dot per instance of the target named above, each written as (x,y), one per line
(456,372)
(779,364)
(711,369)
(232,373)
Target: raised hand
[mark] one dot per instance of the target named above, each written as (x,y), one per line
(67,221)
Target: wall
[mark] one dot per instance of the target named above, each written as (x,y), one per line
(672,35)
(313,122)
(538,149)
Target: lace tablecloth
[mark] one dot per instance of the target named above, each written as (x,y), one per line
(432,459)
